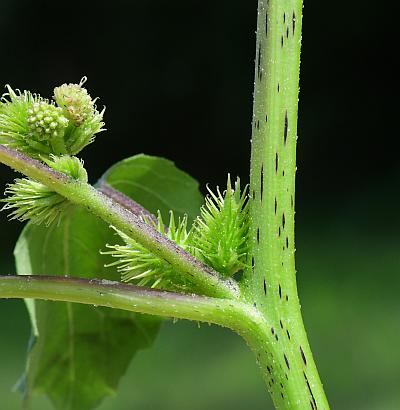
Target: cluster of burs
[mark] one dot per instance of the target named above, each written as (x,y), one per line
(54,131)
(40,127)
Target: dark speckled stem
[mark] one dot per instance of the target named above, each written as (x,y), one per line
(270,283)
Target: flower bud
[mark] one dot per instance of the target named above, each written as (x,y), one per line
(79,107)
(46,121)
(74,100)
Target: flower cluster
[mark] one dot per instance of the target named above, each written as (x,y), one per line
(46,125)
(39,127)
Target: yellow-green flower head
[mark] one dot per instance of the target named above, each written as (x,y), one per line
(80,109)
(74,100)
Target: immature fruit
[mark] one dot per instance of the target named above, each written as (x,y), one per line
(136,263)
(27,199)
(30,200)
(220,236)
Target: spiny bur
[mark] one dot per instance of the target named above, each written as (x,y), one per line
(138,264)
(31,200)
(220,235)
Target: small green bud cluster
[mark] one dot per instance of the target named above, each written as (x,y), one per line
(40,128)
(31,200)
(46,121)
(219,237)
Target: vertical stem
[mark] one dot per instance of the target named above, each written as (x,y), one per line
(270,284)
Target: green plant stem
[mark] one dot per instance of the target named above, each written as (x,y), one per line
(228,313)
(270,284)
(205,279)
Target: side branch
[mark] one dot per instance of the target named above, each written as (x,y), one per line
(205,279)
(223,312)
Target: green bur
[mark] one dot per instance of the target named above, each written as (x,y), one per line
(31,200)
(138,264)
(221,232)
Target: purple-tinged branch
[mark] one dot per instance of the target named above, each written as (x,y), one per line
(205,280)
(224,312)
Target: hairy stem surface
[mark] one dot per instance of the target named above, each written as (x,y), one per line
(228,313)
(270,283)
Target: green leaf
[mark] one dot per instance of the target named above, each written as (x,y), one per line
(80,352)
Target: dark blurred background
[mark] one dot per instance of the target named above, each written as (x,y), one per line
(177,80)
